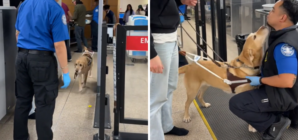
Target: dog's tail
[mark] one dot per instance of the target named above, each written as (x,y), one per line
(183,69)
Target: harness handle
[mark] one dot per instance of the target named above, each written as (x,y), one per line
(227,81)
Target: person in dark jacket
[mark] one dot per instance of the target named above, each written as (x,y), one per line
(79,17)
(164,21)
(263,108)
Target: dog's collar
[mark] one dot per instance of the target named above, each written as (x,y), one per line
(243,65)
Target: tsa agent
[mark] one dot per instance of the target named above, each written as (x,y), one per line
(264,108)
(164,66)
(40,31)
(94,27)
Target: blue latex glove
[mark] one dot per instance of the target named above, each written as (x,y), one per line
(181,18)
(255,80)
(66,80)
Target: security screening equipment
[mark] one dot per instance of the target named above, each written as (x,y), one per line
(8,51)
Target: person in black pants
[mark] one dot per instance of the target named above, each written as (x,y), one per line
(264,108)
(36,65)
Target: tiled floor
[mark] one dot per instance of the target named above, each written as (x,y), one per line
(73,118)
(197,128)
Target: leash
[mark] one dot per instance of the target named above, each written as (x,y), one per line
(227,81)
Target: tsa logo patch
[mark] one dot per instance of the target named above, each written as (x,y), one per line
(287,50)
(64,19)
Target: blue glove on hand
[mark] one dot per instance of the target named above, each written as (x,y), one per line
(255,80)
(66,80)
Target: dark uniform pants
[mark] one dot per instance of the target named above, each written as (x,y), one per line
(253,107)
(36,75)
(94,32)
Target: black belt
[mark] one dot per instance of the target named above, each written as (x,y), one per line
(36,51)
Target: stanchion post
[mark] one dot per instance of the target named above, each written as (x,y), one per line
(197,22)
(203,25)
(120,46)
(221,23)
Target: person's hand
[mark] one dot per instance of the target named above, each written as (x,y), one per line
(183,53)
(255,80)
(156,65)
(66,80)
(189,2)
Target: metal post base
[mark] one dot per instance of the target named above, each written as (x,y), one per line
(131,136)
(107,113)
(96,137)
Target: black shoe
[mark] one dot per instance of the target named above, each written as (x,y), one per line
(69,60)
(177,131)
(32,116)
(275,131)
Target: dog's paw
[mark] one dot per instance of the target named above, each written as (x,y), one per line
(207,105)
(90,76)
(251,129)
(80,89)
(186,119)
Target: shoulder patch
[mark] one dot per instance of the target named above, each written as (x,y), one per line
(287,50)
(96,10)
(64,19)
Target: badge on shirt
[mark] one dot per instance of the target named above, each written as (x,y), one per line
(96,10)
(287,50)
(64,19)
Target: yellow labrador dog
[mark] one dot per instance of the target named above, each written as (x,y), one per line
(197,79)
(83,66)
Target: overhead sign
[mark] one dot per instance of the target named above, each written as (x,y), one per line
(137,43)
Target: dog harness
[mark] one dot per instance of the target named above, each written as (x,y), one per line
(232,81)
(89,57)
(231,77)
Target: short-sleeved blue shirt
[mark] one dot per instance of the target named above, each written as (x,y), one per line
(95,14)
(286,59)
(41,23)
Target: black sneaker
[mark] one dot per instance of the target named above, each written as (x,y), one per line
(275,131)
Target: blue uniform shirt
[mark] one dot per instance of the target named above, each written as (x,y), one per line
(286,59)
(41,23)
(95,14)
